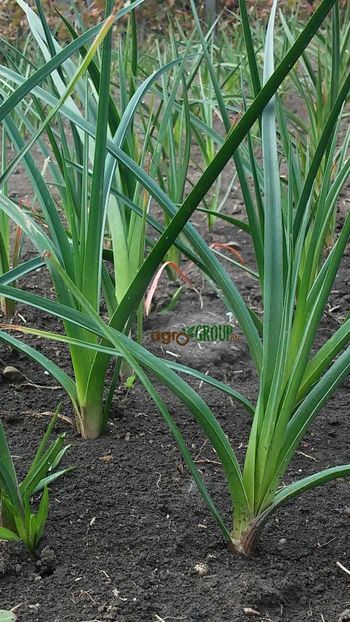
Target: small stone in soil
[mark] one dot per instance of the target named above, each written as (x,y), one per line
(201,569)
(12,374)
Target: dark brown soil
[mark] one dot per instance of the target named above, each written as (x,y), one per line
(127,529)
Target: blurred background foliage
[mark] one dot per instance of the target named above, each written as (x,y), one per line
(152,16)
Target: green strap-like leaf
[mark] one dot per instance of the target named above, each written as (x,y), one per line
(212,382)
(324,357)
(39,469)
(91,274)
(309,408)
(50,479)
(9,536)
(8,477)
(22,270)
(7,616)
(320,151)
(41,516)
(273,293)
(198,408)
(39,76)
(310,482)
(64,380)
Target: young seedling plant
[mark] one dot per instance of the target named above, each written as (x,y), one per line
(17,519)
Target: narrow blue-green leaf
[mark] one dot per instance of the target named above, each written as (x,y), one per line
(310,482)
(22,270)
(44,71)
(273,228)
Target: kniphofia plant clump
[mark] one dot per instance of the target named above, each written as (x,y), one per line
(295,382)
